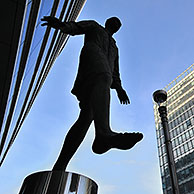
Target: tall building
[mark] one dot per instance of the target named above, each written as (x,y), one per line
(28,52)
(180,106)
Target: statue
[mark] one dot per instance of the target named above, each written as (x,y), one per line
(98,72)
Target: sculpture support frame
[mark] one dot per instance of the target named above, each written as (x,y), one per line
(58,182)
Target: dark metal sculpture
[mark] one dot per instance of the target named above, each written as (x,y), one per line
(98,73)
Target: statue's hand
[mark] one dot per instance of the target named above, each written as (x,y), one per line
(51,21)
(122,95)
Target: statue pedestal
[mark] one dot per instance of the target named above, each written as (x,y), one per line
(58,182)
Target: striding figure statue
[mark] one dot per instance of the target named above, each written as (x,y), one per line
(98,72)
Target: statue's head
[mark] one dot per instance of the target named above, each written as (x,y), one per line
(113,24)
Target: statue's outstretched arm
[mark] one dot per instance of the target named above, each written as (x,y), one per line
(72,28)
(52,22)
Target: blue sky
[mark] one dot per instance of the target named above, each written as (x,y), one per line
(155,45)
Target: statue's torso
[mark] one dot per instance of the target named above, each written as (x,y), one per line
(98,56)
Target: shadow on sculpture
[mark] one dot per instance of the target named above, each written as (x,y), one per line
(98,72)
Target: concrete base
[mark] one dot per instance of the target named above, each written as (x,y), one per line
(58,182)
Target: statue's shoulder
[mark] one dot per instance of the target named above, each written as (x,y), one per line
(92,25)
(95,24)
(91,22)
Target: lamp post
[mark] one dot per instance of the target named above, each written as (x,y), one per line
(160,96)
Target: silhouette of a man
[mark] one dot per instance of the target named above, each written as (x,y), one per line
(98,72)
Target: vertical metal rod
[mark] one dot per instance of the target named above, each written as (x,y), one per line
(171,163)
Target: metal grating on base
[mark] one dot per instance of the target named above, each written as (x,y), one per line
(58,182)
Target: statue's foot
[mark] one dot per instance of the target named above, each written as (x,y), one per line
(119,140)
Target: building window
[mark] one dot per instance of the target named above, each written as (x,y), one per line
(157,132)
(173,124)
(178,152)
(160,151)
(163,149)
(190,104)
(159,142)
(191,132)
(162,140)
(188,122)
(193,110)
(186,104)
(185,126)
(183,137)
(190,145)
(171,134)
(190,113)
(180,140)
(187,135)
(183,117)
(182,150)
(160,125)
(178,130)
(173,145)
(175,153)
(161,161)
(163,185)
(192,121)
(186,115)
(186,147)
(174,133)
(161,132)
(193,145)
(165,159)
(179,120)
(181,128)
(176,142)
(176,122)
(186,173)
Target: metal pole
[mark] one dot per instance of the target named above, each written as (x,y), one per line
(171,163)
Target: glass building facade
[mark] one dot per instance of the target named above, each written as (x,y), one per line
(28,52)
(180,106)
